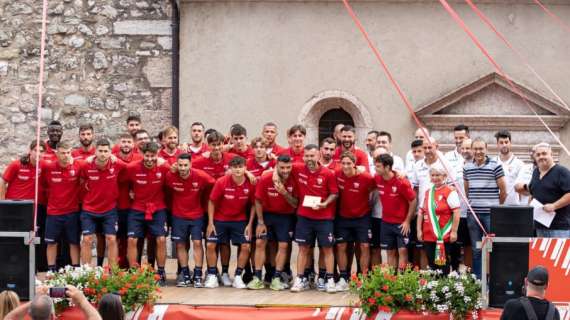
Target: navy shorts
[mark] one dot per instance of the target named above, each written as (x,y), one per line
(136,224)
(56,225)
(280,227)
(307,230)
(228,230)
(375,226)
(122,221)
(352,230)
(182,229)
(392,237)
(413,236)
(107,222)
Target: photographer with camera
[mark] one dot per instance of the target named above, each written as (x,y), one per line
(42,307)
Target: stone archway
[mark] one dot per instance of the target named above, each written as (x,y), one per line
(324,101)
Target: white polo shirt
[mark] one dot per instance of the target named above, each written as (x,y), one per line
(512,168)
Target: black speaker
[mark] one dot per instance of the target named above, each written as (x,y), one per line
(512,221)
(15,266)
(508,268)
(16,215)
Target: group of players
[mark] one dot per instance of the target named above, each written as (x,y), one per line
(219,189)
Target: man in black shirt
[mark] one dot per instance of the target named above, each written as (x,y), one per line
(550,185)
(533,306)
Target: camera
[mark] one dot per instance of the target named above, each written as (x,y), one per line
(57,292)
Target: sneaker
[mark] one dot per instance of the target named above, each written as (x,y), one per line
(312,279)
(226,282)
(198,282)
(238,283)
(211,281)
(341,285)
(255,284)
(183,281)
(277,285)
(330,286)
(162,280)
(287,279)
(321,284)
(299,285)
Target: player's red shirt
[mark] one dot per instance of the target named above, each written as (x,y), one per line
(80,154)
(147,186)
(101,185)
(296,157)
(395,195)
(257,168)
(187,193)
(124,200)
(170,158)
(354,193)
(443,210)
(332,166)
(320,183)
(197,152)
(246,154)
(361,156)
(276,149)
(21,180)
(231,199)
(62,184)
(49,153)
(214,169)
(271,200)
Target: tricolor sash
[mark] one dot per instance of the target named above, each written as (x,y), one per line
(440,233)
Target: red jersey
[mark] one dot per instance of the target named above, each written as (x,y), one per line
(62,186)
(257,168)
(197,151)
(187,194)
(275,149)
(101,185)
(246,154)
(333,166)
(361,157)
(231,200)
(320,183)
(354,193)
(49,153)
(214,169)
(147,186)
(170,158)
(124,200)
(395,195)
(446,200)
(271,200)
(296,157)
(80,154)
(21,180)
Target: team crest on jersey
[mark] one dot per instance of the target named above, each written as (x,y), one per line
(159,175)
(356,185)
(394,189)
(195,184)
(111,170)
(319,180)
(246,191)
(72,173)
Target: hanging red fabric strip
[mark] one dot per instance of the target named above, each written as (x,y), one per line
(553,16)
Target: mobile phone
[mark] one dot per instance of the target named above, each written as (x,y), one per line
(57,292)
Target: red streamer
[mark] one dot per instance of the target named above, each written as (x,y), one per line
(553,16)
(406,102)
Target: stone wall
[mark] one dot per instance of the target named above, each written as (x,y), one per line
(104,58)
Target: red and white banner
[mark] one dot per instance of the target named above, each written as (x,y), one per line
(554,255)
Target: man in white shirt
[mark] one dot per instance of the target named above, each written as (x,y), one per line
(418,135)
(384,140)
(460,133)
(370,147)
(512,166)
(417,150)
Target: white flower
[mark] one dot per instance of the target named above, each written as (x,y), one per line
(445,289)
(453,274)
(467,299)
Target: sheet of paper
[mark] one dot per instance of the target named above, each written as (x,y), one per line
(311,201)
(540,215)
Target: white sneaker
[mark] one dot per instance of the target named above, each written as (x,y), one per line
(299,285)
(330,287)
(238,283)
(226,282)
(341,285)
(320,284)
(211,281)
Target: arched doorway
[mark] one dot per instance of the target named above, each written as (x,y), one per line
(330,119)
(343,107)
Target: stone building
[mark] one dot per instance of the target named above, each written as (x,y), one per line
(288,61)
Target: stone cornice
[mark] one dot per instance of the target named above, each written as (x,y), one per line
(519,2)
(493,122)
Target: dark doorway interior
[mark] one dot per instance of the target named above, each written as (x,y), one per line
(330,119)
